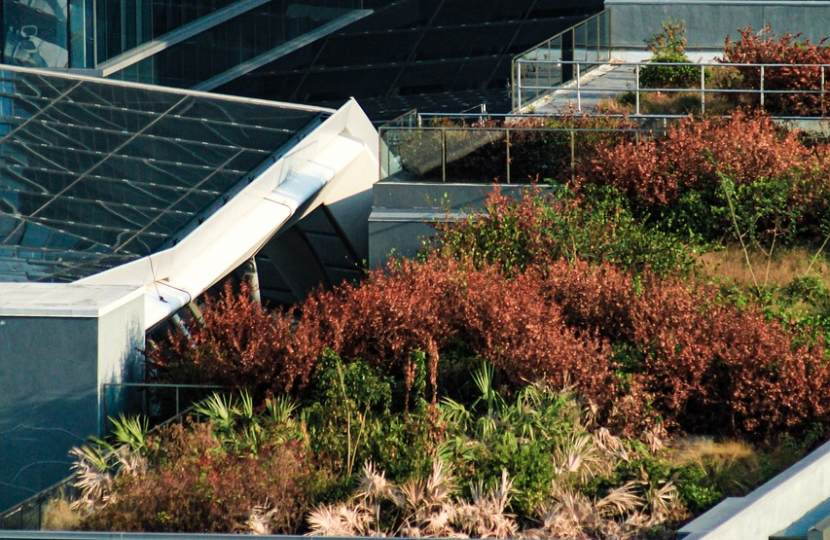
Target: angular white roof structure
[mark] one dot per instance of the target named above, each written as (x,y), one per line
(120,204)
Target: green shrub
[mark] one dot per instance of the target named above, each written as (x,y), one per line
(350,417)
(697,496)
(656,75)
(669,47)
(597,226)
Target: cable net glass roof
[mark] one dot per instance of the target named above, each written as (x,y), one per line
(94,174)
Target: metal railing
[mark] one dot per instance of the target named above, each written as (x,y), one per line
(761,84)
(474,149)
(550,61)
(154,404)
(29,514)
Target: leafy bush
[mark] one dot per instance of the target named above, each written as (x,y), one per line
(669,47)
(239,345)
(597,226)
(218,476)
(706,366)
(351,418)
(776,184)
(656,75)
(203,491)
(641,348)
(762,48)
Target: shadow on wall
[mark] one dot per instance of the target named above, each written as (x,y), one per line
(51,371)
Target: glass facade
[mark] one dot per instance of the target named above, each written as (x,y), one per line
(84,33)
(35,33)
(96,174)
(88,33)
(125,24)
(237,40)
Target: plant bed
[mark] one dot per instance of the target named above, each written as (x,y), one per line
(587,362)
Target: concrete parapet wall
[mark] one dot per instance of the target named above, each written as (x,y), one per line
(58,345)
(708,22)
(770,508)
(404,213)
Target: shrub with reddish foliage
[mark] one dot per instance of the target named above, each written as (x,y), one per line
(240,345)
(699,364)
(695,153)
(763,48)
(195,486)
(509,323)
(383,320)
(654,349)
(771,175)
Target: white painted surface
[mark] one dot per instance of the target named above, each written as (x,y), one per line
(773,506)
(235,232)
(64,300)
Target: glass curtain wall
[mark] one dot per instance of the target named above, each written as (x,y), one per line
(234,41)
(35,33)
(125,24)
(94,174)
(84,33)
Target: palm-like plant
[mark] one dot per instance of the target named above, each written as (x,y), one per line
(421,507)
(100,462)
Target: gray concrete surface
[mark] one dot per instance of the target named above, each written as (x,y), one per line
(708,22)
(773,507)
(55,355)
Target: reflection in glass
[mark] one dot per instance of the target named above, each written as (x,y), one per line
(35,33)
(242,38)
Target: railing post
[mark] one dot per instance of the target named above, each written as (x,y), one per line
(573,155)
(822,90)
(513,66)
(762,86)
(578,89)
(637,89)
(443,154)
(518,88)
(702,89)
(507,142)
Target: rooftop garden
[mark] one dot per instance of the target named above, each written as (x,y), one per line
(792,82)
(608,358)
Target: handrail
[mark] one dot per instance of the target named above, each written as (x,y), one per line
(565,45)
(424,150)
(763,90)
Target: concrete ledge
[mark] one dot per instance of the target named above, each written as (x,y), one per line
(771,508)
(64,299)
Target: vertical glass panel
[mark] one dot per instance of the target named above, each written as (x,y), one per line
(419,151)
(81,34)
(476,155)
(592,43)
(581,43)
(35,33)
(605,35)
(555,68)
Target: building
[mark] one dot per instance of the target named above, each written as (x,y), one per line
(120,203)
